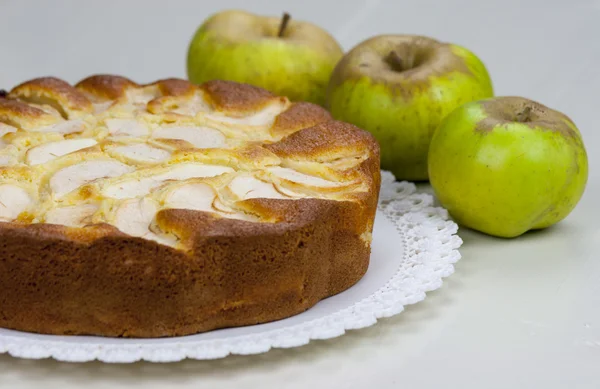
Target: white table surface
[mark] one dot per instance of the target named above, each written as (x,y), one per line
(521,313)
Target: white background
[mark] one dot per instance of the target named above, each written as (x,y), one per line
(521,313)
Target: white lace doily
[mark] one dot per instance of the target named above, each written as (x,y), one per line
(414,248)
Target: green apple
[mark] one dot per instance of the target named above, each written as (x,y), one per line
(288,57)
(507,165)
(399,88)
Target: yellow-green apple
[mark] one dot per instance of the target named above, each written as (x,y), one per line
(288,57)
(506,165)
(399,87)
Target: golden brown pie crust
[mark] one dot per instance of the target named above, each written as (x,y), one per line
(97,280)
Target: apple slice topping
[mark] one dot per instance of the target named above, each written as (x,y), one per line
(263,117)
(13,201)
(296,184)
(72,177)
(142,153)
(194,196)
(7,160)
(102,106)
(191,108)
(181,105)
(135,187)
(199,137)
(301,178)
(64,127)
(189,170)
(6,129)
(135,216)
(246,186)
(49,151)
(288,192)
(140,97)
(220,206)
(126,127)
(48,109)
(72,216)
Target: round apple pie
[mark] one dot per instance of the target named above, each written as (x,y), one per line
(170,209)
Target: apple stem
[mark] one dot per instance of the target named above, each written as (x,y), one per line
(395,60)
(3,93)
(523,116)
(284,22)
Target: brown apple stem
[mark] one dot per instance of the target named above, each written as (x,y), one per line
(395,61)
(3,93)
(523,116)
(284,22)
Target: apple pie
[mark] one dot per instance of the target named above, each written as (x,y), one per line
(170,209)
